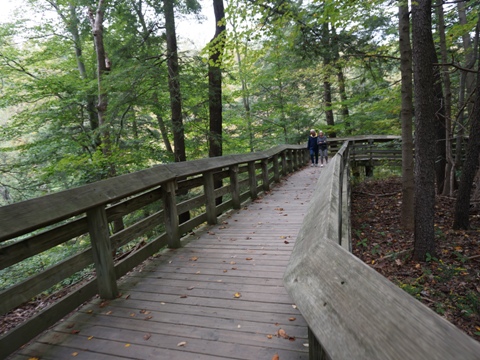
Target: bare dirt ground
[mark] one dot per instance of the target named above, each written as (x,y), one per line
(449,282)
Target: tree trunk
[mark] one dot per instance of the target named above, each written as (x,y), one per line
(462,205)
(447,185)
(174,83)
(425,126)
(175,93)
(327,86)
(408,184)
(216,47)
(439,114)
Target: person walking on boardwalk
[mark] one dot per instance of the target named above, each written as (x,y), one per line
(322,147)
(312,146)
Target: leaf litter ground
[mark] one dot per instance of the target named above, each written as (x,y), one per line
(449,282)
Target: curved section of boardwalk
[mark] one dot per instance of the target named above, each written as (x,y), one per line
(219,297)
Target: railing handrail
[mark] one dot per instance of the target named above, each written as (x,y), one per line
(352,311)
(16,218)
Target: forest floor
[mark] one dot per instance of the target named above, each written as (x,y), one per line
(449,282)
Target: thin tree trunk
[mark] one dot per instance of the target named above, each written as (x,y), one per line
(216,47)
(174,83)
(424,238)
(462,205)
(447,185)
(175,93)
(327,86)
(408,183)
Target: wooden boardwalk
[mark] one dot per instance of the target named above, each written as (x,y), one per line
(219,297)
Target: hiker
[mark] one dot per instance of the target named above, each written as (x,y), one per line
(322,148)
(312,146)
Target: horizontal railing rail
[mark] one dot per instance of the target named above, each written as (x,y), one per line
(352,311)
(148,203)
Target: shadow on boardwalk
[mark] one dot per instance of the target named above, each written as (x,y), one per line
(219,297)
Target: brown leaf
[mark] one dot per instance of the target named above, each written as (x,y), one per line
(75,331)
(183,343)
(183,296)
(276,357)
(287,242)
(237,295)
(282,333)
(147,336)
(194,258)
(269,336)
(249,258)
(69,326)
(108,312)
(292,319)
(148,318)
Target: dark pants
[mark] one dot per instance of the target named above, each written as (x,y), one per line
(314,156)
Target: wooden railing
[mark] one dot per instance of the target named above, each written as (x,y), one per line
(147,200)
(352,311)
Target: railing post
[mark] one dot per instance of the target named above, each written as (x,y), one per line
(171,214)
(235,186)
(290,161)
(295,159)
(315,349)
(265,181)
(102,252)
(252,177)
(276,171)
(284,163)
(209,191)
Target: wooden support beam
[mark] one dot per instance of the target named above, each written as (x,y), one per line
(276,170)
(252,177)
(171,214)
(209,191)
(265,182)
(102,252)
(235,187)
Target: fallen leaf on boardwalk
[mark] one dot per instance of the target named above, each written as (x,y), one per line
(90,312)
(225,271)
(282,333)
(147,336)
(127,345)
(148,318)
(234,268)
(276,357)
(287,242)
(294,306)
(305,344)
(162,303)
(132,315)
(69,326)
(279,209)
(183,296)
(190,287)
(237,295)
(225,222)
(33,358)
(103,304)
(232,262)
(194,258)
(108,312)
(75,331)
(292,319)
(198,272)
(183,343)
(222,227)
(248,259)
(90,338)
(74,353)
(211,233)
(269,336)
(126,297)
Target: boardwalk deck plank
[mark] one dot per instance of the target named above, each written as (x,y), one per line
(188,294)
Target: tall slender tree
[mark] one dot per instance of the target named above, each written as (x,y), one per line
(423,48)
(408,183)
